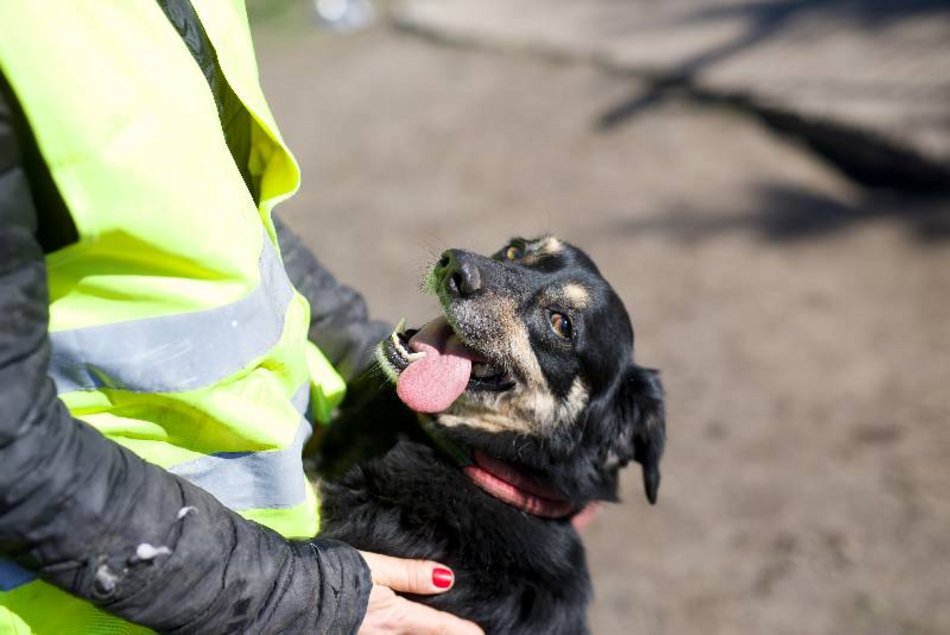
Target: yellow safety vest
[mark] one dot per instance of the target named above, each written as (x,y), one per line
(174,328)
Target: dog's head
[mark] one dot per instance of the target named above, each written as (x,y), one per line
(532,365)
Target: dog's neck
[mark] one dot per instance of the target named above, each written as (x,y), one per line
(459,453)
(499,479)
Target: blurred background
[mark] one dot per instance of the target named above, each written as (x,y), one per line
(766,185)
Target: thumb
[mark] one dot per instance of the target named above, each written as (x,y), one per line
(422,577)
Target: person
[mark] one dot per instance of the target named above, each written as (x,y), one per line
(165,342)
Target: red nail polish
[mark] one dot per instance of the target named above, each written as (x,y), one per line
(442,578)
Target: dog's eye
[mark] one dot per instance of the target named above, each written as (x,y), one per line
(562,325)
(514,252)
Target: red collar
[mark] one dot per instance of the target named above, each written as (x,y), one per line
(501,480)
(508,485)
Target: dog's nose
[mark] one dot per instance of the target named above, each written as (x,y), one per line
(458,273)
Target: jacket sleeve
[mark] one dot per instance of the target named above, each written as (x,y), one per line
(339,321)
(99,522)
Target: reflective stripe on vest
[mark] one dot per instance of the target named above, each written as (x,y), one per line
(174,329)
(255,480)
(175,353)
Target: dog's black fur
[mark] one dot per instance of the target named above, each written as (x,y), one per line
(389,488)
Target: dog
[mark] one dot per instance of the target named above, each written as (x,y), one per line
(504,418)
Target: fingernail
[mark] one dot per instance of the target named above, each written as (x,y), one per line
(442,578)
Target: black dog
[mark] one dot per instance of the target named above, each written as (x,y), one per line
(511,413)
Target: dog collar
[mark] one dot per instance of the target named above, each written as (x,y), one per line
(498,479)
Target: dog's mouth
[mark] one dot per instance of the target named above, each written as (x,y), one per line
(433,366)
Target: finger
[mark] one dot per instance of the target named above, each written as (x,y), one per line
(420,619)
(423,577)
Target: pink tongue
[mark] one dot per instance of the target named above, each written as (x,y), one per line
(432,383)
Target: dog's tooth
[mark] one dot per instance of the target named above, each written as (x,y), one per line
(401,326)
(397,344)
(414,356)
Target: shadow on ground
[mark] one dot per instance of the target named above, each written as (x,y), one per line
(863,155)
(783,214)
(763,21)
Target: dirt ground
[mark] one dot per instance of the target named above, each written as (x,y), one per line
(802,324)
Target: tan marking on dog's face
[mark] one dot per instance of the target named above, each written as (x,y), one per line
(549,245)
(575,296)
(522,353)
(492,327)
(538,249)
(522,410)
(570,408)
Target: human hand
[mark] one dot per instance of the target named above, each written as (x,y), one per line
(390,614)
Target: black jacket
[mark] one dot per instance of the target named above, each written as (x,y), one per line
(75,507)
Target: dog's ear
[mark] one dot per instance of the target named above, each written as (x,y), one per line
(648,417)
(638,429)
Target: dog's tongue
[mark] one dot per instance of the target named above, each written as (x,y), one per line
(433,382)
